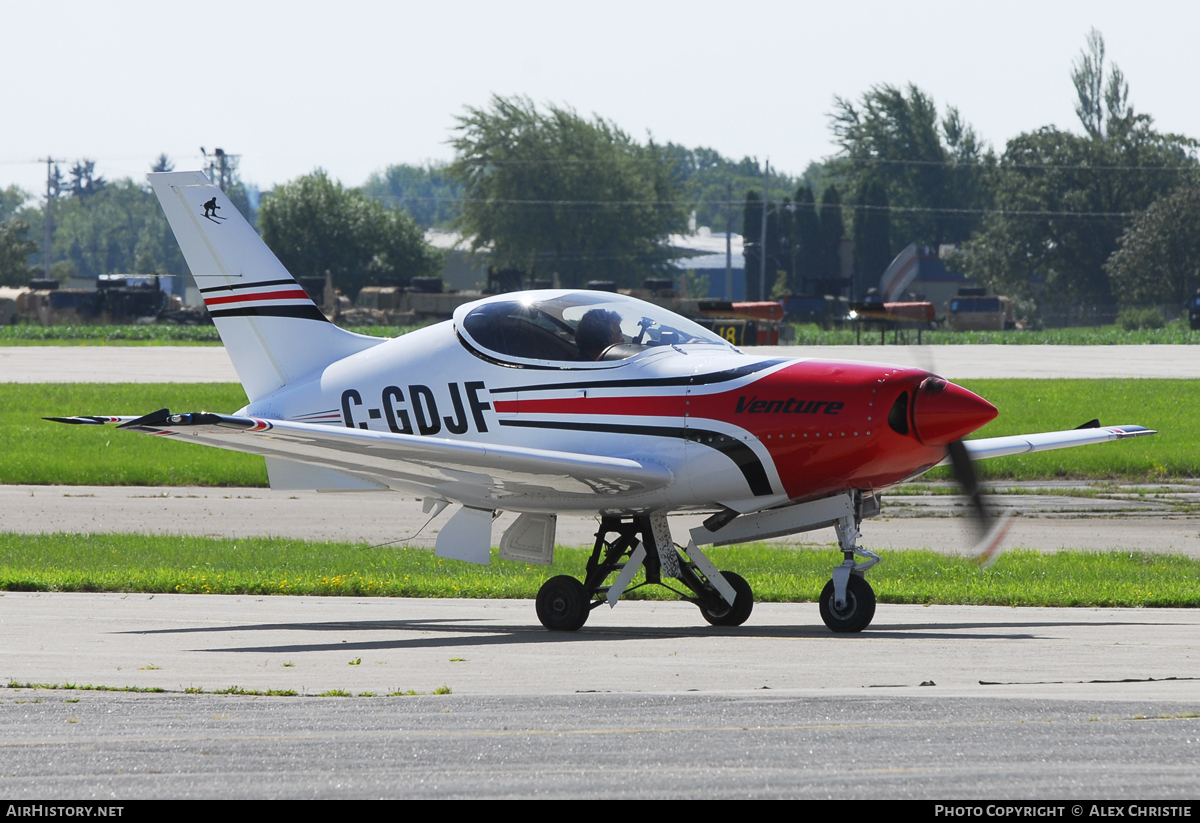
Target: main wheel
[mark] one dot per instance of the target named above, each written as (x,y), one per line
(739,612)
(562,604)
(859,610)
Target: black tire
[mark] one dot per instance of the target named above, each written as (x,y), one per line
(859,610)
(739,612)
(562,604)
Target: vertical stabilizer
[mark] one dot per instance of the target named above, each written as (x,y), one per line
(273,331)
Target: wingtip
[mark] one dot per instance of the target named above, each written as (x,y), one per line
(86,420)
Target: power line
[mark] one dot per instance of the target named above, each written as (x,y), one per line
(1191,165)
(850,206)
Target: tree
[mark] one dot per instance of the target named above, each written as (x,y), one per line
(872,243)
(552,191)
(117,229)
(752,241)
(934,173)
(15,248)
(713,185)
(1062,200)
(84,182)
(833,229)
(806,230)
(314,225)
(1159,256)
(1094,98)
(426,192)
(11,201)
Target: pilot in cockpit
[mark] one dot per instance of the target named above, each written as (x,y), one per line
(597,330)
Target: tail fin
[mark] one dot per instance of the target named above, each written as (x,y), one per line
(273,331)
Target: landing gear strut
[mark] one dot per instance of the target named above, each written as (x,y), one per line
(848,601)
(625,544)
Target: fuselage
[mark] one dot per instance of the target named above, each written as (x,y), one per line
(739,431)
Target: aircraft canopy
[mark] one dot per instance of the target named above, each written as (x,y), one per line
(574,326)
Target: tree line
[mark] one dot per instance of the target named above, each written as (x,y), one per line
(1104,214)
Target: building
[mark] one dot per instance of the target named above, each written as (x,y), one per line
(705,253)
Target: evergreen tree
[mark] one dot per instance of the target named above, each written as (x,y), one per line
(833,229)
(872,237)
(806,232)
(752,242)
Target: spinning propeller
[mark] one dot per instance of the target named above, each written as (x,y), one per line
(943,414)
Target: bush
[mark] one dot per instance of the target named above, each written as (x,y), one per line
(1134,319)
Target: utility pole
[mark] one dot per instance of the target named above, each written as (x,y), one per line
(221,167)
(729,242)
(49,161)
(762,244)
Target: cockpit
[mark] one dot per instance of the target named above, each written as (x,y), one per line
(574,327)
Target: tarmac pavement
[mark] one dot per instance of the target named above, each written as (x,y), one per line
(940,703)
(1147,517)
(209,364)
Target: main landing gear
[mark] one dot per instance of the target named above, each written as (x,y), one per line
(625,544)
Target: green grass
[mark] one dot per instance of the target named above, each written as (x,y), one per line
(263,566)
(85,335)
(38,452)
(165,335)
(1174,333)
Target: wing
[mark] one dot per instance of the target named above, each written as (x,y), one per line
(327,458)
(1045,441)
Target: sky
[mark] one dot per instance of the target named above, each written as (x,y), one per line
(352,87)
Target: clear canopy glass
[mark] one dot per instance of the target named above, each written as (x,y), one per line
(576,327)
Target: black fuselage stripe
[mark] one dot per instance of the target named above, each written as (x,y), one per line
(737,451)
(309,312)
(649,382)
(258,285)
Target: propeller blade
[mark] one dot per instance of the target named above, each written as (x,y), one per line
(990,532)
(968,481)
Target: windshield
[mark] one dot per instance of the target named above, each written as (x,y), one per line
(578,327)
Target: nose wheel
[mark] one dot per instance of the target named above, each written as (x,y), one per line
(856,611)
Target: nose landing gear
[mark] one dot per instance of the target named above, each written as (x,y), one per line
(848,601)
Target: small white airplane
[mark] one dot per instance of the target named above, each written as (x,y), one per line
(543,402)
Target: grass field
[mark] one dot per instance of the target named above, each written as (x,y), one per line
(38,452)
(1174,333)
(166,335)
(138,563)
